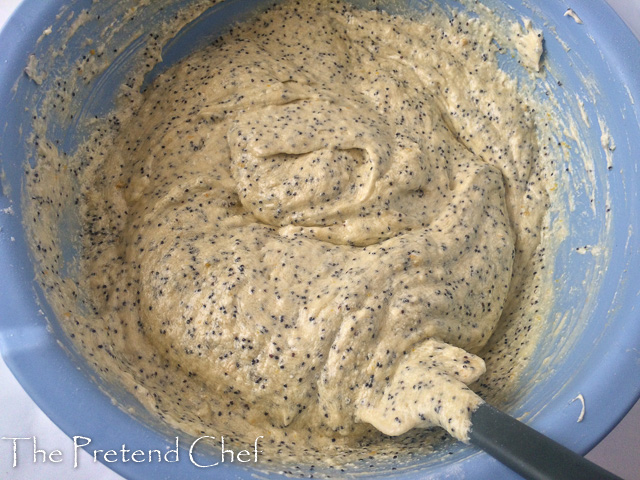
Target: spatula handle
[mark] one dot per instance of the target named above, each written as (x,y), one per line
(528,452)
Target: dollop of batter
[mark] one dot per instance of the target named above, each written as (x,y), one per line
(322,216)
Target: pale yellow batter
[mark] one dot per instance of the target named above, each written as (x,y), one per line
(315,225)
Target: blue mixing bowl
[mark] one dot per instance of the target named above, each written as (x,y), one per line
(592,344)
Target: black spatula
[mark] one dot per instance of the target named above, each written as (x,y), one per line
(528,452)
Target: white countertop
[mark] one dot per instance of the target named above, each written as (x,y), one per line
(619,452)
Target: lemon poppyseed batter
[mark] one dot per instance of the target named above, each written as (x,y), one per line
(314,226)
